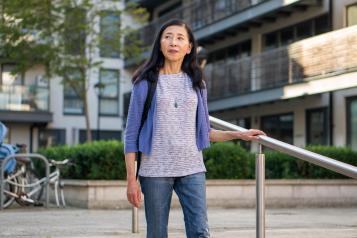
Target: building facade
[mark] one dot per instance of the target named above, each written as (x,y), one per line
(286,67)
(40,112)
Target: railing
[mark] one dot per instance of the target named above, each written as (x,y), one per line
(198,14)
(323,161)
(320,56)
(24,98)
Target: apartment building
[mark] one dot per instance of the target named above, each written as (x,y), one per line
(40,112)
(286,67)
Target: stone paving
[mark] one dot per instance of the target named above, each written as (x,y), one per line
(227,223)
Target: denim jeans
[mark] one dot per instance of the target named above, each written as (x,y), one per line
(191,191)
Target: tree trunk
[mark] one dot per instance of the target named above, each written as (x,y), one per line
(85,104)
(86,114)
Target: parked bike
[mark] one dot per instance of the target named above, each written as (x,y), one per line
(22,183)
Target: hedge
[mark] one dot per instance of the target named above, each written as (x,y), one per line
(227,161)
(280,165)
(223,160)
(96,160)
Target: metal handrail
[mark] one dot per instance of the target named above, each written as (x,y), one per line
(323,161)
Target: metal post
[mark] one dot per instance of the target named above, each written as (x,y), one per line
(98,118)
(47,190)
(135,215)
(2,183)
(260,187)
(135,223)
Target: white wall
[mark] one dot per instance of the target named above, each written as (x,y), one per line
(339,12)
(340,114)
(19,133)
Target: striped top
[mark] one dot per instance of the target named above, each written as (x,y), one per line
(174,150)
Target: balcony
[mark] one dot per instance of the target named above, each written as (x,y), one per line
(215,19)
(310,66)
(24,103)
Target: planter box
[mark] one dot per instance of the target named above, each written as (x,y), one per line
(106,194)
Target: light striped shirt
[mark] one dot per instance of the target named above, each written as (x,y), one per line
(174,150)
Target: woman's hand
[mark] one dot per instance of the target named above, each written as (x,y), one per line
(251,134)
(218,135)
(133,193)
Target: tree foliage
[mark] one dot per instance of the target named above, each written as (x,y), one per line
(67,37)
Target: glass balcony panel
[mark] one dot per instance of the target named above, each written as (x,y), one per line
(24,98)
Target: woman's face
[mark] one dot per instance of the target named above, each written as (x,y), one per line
(175,43)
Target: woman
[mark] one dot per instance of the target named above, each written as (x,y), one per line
(174,134)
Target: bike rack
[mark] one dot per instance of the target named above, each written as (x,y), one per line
(28,155)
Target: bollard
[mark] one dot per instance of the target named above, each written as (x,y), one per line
(260,192)
(135,215)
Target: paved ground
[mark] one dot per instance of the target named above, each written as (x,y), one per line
(226,223)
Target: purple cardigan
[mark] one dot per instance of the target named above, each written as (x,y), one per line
(136,107)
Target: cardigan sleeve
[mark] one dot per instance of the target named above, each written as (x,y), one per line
(204,92)
(136,107)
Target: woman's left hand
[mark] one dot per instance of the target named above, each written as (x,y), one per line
(251,134)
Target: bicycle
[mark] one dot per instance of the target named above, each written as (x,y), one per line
(25,187)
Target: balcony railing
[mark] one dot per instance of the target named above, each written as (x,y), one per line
(198,14)
(321,56)
(24,98)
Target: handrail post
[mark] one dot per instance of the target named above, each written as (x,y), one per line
(260,192)
(135,223)
(135,214)
(2,182)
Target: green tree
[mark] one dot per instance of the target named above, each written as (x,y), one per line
(67,36)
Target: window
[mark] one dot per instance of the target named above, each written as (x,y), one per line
(9,79)
(103,135)
(233,52)
(296,32)
(279,127)
(287,36)
(352,15)
(51,137)
(169,9)
(109,98)
(75,31)
(352,122)
(304,30)
(126,100)
(72,87)
(271,40)
(7,138)
(110,35)
(316,127)
(245,123)
(322,24)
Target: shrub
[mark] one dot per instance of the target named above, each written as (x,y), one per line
(226,161)
(96,160)
(279,165)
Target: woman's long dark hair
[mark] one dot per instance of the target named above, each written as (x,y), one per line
(150,69)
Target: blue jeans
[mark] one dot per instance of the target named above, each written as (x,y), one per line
(191,191)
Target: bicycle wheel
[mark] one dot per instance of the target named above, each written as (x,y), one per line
(31,192)
(10,191)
